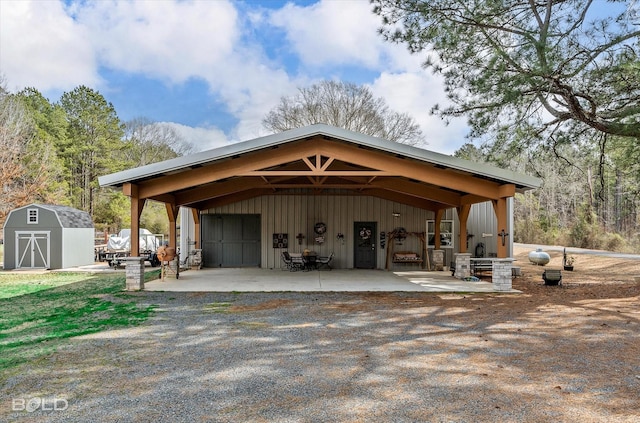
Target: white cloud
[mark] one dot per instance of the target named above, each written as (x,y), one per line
(41,46)
(416,93)
(200,138)
(222,43)
(332,32)
(165,39)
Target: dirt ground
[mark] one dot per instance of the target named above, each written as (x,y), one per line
(568,353)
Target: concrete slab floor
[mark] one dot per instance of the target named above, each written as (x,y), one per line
(337,280)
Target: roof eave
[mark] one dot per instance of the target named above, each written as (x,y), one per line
(521,181)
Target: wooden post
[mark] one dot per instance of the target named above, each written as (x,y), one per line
(137,204)
(196,219)
(500,208)
(436,241)
(463,216)
(172,213)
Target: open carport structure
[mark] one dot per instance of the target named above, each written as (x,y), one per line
(285,183)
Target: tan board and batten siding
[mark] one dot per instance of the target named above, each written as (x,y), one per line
(294,214)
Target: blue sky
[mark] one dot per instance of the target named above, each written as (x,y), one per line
(213,68)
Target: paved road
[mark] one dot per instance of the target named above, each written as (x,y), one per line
(573,250)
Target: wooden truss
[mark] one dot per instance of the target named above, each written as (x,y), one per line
(321,165)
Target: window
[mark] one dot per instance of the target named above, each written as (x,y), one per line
(446,233)
(32,216)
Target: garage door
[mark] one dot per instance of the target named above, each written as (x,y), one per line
(231,240)
(33,250)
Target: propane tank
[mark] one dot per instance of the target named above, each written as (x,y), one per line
(539,257)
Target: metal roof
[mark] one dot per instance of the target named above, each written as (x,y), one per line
(522,182)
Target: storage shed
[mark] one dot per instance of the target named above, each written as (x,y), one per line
(41,236)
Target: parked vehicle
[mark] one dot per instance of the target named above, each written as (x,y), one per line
(118,247)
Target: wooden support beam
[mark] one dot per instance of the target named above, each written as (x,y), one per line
(224,169)
(315,172)
(172,213)
(327,164)
(507,190)
(231,198)
(404,199)
(419,190)
(196,219)
(309,164)
(439,216)
(219,189)
(137,205)
(463,216)
(500,208)
(410,169)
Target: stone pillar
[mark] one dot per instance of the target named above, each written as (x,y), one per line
(463,265)
(438,259)
(501,274)
(134,270)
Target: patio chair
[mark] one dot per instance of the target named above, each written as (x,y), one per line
(286,259)
(324,261)
(292,263)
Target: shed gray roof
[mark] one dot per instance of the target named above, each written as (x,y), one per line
(522,182)
(68,216)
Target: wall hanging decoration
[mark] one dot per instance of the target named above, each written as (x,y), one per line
(340,238)
(383,239)
(399,234)
(280,240)
(365,233)
(300,237)
(320,228)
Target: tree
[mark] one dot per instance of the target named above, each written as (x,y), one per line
(94,139)
(153,142)
(546,67)
(15,131)
(147,142)
(27,159)
(50,127)
(345,105)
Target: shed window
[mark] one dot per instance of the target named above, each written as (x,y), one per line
(32,216)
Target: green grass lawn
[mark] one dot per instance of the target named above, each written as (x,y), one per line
(39,312)
(15,284)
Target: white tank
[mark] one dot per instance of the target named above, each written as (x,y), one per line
(539,257)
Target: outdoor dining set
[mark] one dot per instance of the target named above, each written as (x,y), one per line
(305,261)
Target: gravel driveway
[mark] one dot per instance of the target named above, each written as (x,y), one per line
(560,356)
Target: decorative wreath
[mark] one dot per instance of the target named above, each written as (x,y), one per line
(365,233)
(400,233)
(320,228)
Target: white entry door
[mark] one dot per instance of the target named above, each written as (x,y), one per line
(33,249)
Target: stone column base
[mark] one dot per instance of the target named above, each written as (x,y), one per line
(134,271)
(463,265)
(438,259)
(502,274)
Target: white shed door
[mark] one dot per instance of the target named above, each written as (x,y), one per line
(33,249)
